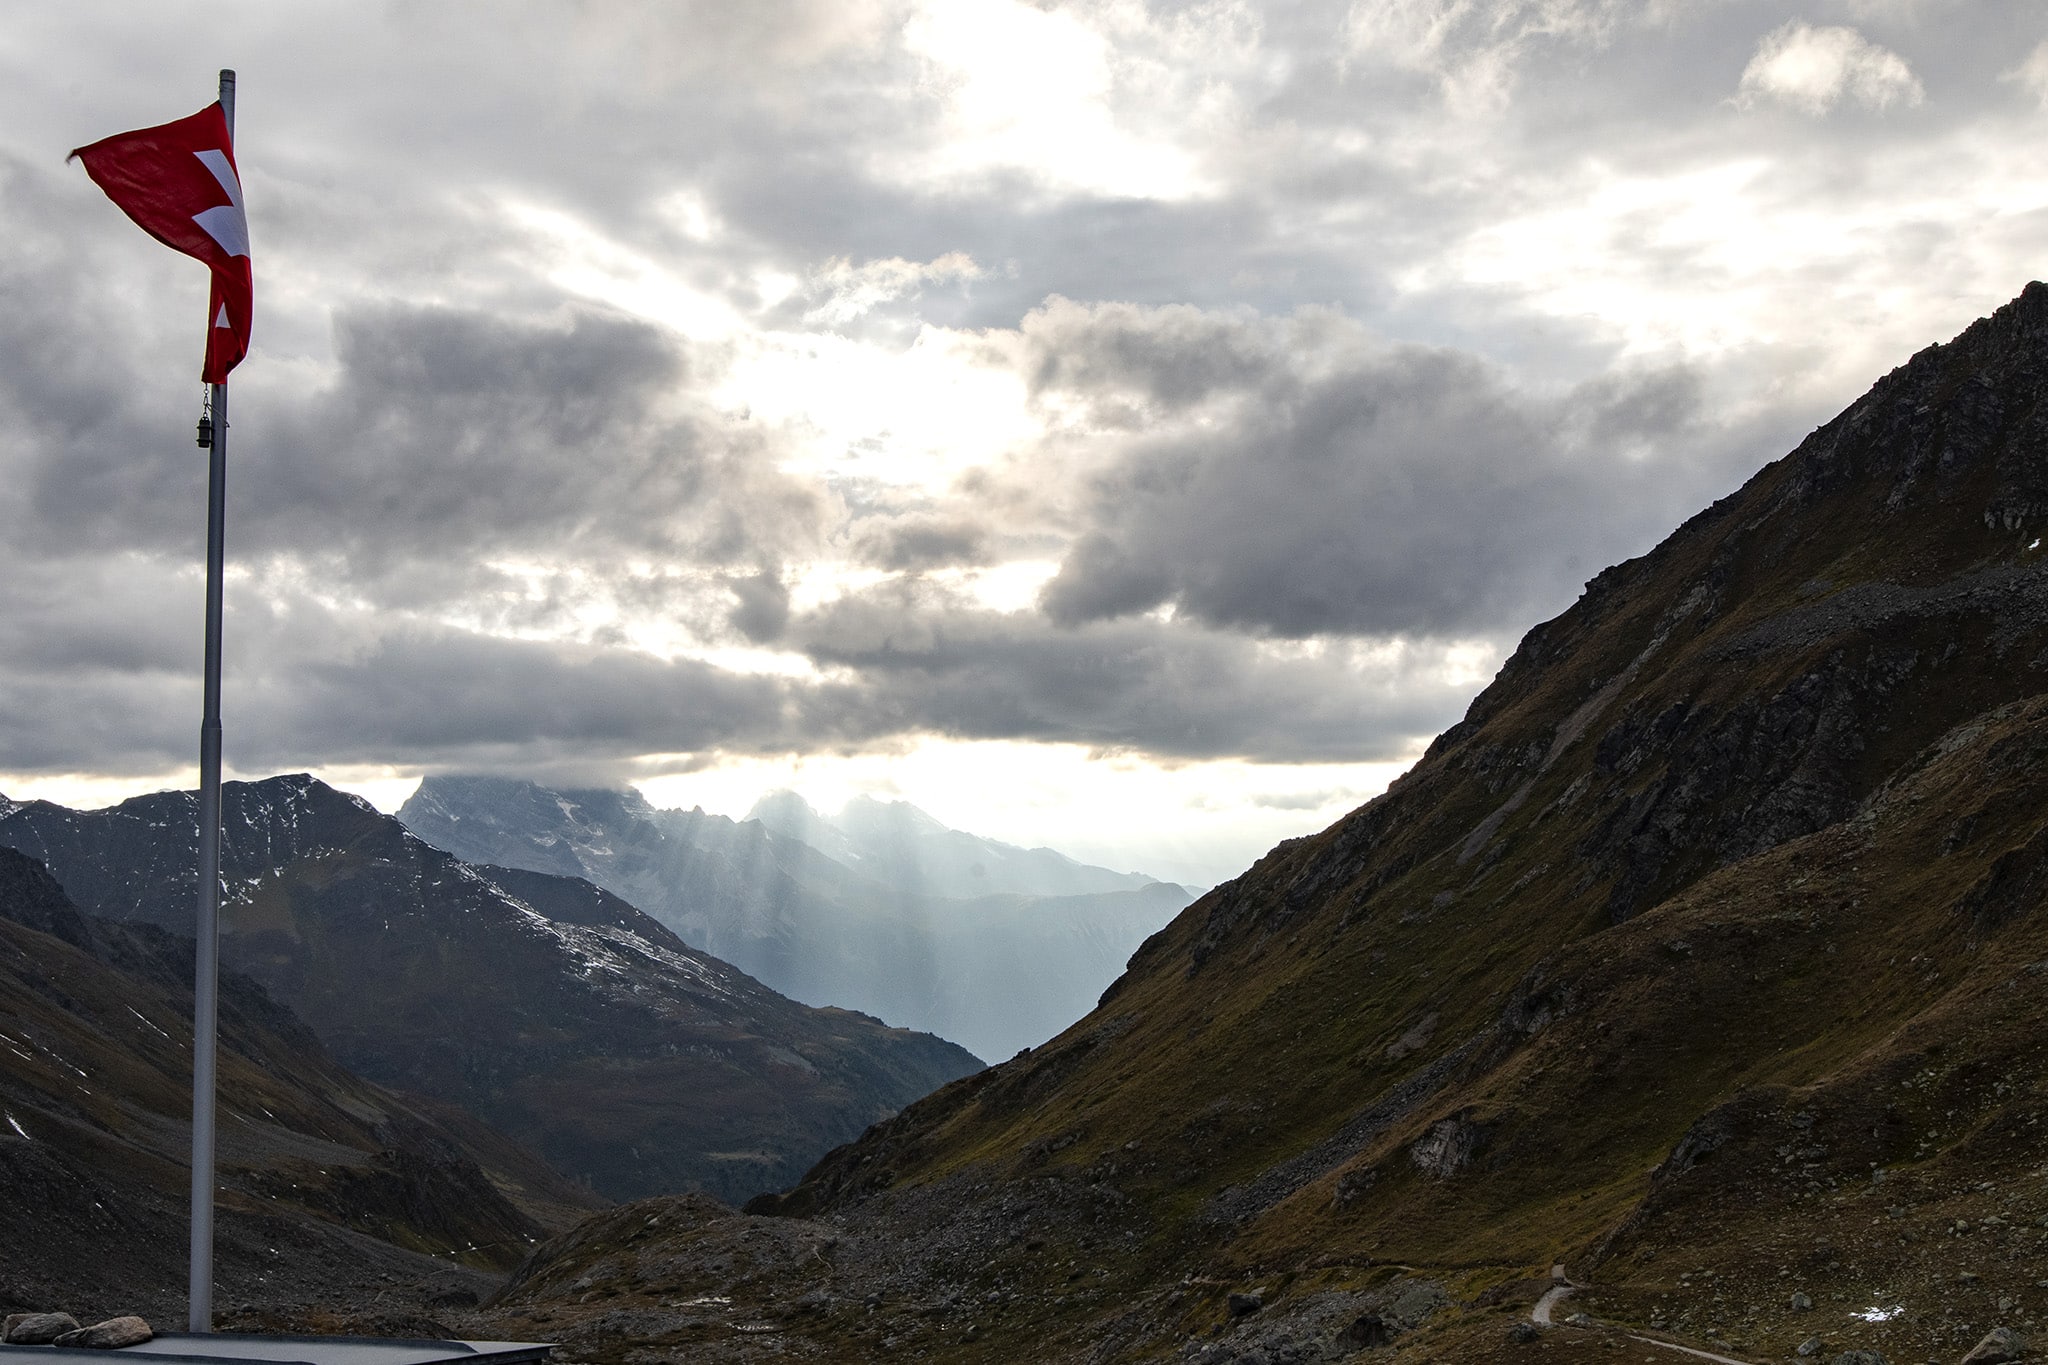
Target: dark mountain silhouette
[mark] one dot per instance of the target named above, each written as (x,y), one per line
(1707,956)
(331,1186)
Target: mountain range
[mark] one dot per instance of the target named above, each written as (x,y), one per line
(544,1006)
(881,909)
(895,844)
(1700,971)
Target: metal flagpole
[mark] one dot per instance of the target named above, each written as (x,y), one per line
(213,432)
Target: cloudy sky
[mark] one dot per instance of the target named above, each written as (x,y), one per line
(1135,425)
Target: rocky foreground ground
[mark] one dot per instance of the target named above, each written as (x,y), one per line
(685,1278)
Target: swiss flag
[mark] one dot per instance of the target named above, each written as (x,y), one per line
(179,182)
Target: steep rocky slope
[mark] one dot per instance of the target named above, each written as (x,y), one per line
(331,1187)
(1707,957)
(882,909)
(556,1012)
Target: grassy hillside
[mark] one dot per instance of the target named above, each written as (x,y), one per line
(330,1187)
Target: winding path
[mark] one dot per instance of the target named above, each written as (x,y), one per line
(1561,1286)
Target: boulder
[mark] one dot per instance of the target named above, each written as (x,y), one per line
(1448,1147)
(1999,1346)
(1352,1185)
(1368,1330)
(38,1329)
(110,1335)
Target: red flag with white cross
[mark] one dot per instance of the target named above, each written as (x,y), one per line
(179,183)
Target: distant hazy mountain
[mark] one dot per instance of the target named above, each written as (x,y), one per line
(552,1009)
(898,845)
(881,908)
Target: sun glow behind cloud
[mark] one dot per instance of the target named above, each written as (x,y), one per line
(913,417)
(1198,822)
(1031,89)
(580,258)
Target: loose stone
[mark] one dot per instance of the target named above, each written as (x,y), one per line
(38,1329)
(110,1335)
(1999,1346)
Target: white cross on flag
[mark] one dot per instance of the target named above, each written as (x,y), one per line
(179,183)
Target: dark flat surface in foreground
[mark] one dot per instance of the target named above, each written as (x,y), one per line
(281,1350)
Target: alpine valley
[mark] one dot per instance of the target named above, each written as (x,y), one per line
(1705,961)
(880,908)
(549,1009)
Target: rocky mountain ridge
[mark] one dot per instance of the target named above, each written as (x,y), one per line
(557,1013)
(863,910)
(1706,958)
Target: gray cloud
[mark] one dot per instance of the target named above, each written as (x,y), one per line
(1342,487)
(1170,357)
(440,693)
(516,474)
(312,684)
(450,433)
(925,660)
(92,454)
(923,540)
(762,610)
(99,662)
